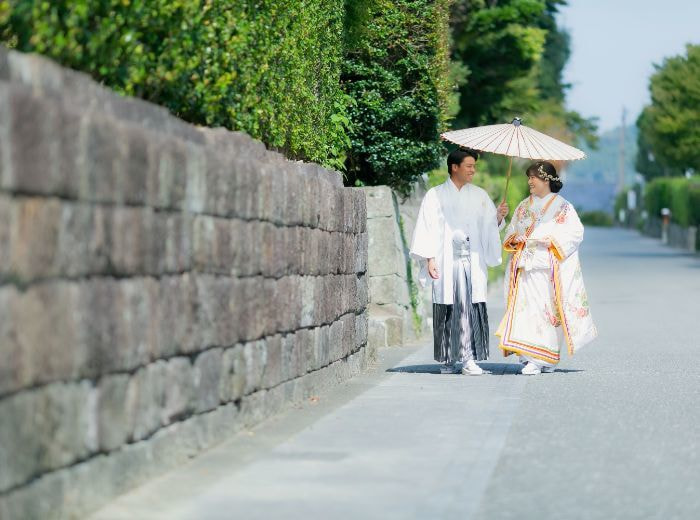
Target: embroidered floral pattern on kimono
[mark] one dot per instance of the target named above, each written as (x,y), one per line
(546,301)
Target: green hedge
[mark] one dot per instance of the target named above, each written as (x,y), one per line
(596,218)
(679,194)
(269,68)
(396,74)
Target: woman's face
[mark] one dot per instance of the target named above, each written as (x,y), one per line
(538,187)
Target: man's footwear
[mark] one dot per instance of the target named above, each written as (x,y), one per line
(448,369)
(547,370)
(530,370)
(472,369)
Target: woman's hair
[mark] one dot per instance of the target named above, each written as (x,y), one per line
(547,172)
(457,156)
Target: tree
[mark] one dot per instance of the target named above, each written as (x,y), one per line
(669,127)
(395,72)
(511,55)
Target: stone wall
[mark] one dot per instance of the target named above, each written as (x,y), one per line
(672,234)
(393,317)
(162,286)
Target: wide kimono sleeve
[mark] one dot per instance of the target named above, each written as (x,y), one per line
(512,230)
(490,238)
(568,232)
(425,243)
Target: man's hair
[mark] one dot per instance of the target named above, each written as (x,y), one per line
(457,156)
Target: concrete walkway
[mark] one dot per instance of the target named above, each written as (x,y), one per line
(612,434)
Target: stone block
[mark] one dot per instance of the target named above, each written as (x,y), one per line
(361,328)
(179,391)
(361,252)
(45,429)
(305,340)
(102,331)
(116,405)
(34,238)
(151,385)
(140,320)
(349,331)
(273,370)
(206,378)
(196,187)
(177,303)
(202,242)
(45,337)
(214,310)
(292,210)
(360,210)
(348,211)
(105,162)
(219,198)
(288,305)
(73,256)
(233,374)
(255,356)
(138,162)
(245,179)
(72,145)
(16,370)
(322,346)
(379,201)
(34,143)
(335,339)
(7,221)
(7,175)
(392,323)
(130,231)
(167,181)
(307,291)
(384,254)
(388,289)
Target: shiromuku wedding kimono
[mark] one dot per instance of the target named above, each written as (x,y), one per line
(547,306)
(459,229)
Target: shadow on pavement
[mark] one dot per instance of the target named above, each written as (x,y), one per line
(492,368)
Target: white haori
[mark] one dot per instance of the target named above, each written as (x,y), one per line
(444,212)
(547,305)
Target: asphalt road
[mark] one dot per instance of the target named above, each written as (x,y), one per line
(614,433)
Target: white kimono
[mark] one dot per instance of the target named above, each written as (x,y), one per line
(547,306)
(444,210)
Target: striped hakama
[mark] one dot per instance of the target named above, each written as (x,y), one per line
(461,330)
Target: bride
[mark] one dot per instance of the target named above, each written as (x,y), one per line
(546,301)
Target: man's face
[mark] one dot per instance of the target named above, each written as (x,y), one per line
(464,173)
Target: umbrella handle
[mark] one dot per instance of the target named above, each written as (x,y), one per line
(505,193)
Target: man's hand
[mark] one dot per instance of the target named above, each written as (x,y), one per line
(519,239)
(432,269)
(502,211)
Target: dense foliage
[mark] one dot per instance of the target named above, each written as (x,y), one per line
(669,127)
(269,68)
(362,86)
(396,74)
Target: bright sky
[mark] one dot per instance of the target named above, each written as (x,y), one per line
(614,46)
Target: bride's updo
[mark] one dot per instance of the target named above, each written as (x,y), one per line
(547,172)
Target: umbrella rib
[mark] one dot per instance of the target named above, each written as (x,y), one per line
(490,137)
(505,135)
(553,144)
(529,153)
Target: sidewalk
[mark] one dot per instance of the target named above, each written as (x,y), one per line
(611,434)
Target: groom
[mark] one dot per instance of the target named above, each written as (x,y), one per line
(455,239)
